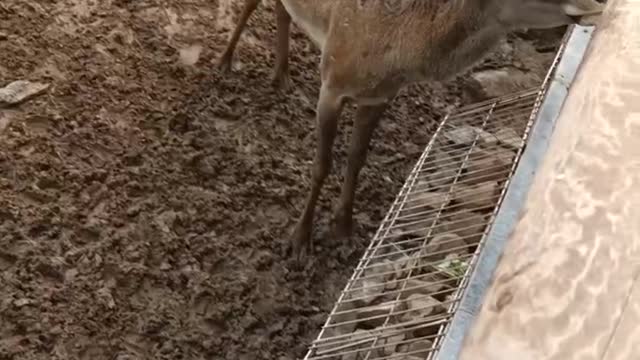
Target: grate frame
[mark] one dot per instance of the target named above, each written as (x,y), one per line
(467,143)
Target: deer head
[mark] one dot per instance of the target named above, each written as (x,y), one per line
(541,14)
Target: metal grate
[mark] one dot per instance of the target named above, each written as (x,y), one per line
(405,290)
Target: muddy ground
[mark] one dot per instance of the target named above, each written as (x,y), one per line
(146,200)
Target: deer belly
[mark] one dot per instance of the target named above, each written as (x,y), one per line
(307,19)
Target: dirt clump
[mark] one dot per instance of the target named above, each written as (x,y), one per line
(146,200)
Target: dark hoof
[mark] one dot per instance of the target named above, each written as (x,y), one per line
(224,65)
(300,242)
(342,227)
(282,83)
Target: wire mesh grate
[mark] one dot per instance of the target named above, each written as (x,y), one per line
(405,290)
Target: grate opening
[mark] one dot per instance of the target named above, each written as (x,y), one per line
(405,290)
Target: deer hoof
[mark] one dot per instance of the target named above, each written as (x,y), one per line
(224,65)
(343,226)
(282,82)
(301,241)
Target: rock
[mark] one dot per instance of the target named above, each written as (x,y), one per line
(408,357)
(441,245)
(364,339)
(509,138)
(443,177)
(413,227)
(421,185)
(420,203)
(70,275)
(347,314)
(466,135)
(438,159)
(420,287)
(375,315)
(189,56)
(423,230)
(6,116)
(420,349)
(495,83)
(392,342)
(477,197)
(406,263)
(488,165)
(422,306)
(387,271)
(466,224)
(19,91)
(366,291)
(462,136)
(22,302)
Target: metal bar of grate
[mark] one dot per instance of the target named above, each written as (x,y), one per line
(404,292)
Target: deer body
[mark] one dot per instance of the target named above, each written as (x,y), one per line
(373,48)
(312,16)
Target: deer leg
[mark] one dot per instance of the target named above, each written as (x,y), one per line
(225,61)
(328,111)
(365,123)
(281,78)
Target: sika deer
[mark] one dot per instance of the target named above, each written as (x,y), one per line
(373,48)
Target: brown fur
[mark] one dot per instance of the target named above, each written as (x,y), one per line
(373,48)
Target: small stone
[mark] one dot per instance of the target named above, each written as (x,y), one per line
(406,263)
(56,330)
(420,186)
(375,315)
(420,287)
(104,295)
(441,245)
(366,291)
(483,196)
(442,177)
(509,138)
(361,337)
(347,314)
(70,275)
(421,306)
(423,202)
(19,91)
(3,36)
(485,165)
(466,135)
(462,136)
(189,56)
(22,302)
(466,224)
(493,83)
(374,282)
(392,342)
(420,349)
(438,159)
(385,270)
(409,357)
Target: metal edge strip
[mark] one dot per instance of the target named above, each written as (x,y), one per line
(515,197)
